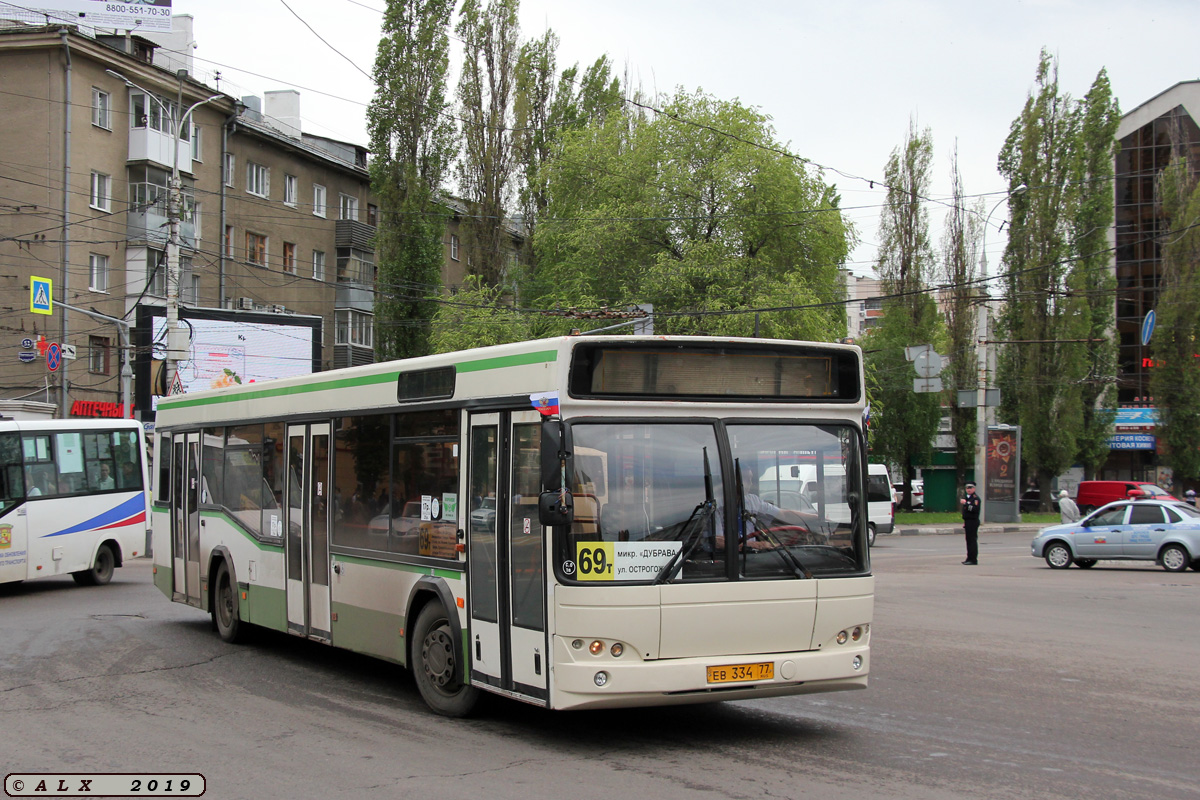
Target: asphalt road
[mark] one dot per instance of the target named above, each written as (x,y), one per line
(1006,680)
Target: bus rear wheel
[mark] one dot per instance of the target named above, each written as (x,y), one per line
(435,664)
(225,606)
(101,572)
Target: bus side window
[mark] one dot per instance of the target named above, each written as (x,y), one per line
(12,478)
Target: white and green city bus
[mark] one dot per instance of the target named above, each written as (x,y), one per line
(544,520)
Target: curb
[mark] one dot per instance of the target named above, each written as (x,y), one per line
(942,530)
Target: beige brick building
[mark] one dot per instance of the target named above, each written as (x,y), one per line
(274,222)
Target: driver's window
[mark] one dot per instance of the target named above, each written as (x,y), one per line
(1114,517)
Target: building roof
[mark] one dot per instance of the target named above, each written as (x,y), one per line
(1184,93)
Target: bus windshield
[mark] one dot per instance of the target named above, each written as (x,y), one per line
(796,509)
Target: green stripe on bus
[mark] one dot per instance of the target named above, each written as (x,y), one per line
(500,362)
(448,574)
(269,547)
(305,388)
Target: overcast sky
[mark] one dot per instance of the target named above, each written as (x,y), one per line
(840,80)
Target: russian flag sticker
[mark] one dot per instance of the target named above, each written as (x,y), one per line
(545,402)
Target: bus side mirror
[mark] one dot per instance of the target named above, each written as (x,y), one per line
(555,508)
(552,454)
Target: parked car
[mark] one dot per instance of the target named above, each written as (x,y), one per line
(1031,500)
(1164,531)
(483,518)
(918,493)
(1093,494)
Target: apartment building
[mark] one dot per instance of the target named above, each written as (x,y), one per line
(273,223)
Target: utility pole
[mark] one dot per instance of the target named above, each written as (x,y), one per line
(177,339)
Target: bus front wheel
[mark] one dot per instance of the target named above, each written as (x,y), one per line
(101,572)
(435,664)
(225,606)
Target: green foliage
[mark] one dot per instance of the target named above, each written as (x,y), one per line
(907,420)
(960,252)
(1175,381)
(692,211)
(1058,149)
(412,143)
(485,104)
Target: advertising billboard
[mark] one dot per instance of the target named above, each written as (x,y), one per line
(226,348)
(123,15)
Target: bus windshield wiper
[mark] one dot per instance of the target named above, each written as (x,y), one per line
(744,516)
(702,510)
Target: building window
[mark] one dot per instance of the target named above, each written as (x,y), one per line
(101,184)
(156,272)
(196,148)
(229,167)
(256,249)
(354,327)
(319,265)
(355,266)
(453,247)
(349,207)
(373,215)
(229,241)
(101,109)
(98,273)
(257,179)
(290,189)
(318,200)
(289,257)
(195,214)
(157,115)
(98,347)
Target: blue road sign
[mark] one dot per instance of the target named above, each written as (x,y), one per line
(27,356)
(1147,327)
(53,357)
(41,295)
(27,343)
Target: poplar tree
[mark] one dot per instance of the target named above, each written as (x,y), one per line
(412,144)
(1040,372)
(906,428)
(960,253)
(486,86)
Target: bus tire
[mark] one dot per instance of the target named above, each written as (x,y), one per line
(435,665)
(225,606)
(101,572)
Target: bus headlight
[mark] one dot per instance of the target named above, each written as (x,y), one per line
(601,678)
(596,647)
(842,637)
(617,649)
(857,633)
(856,663)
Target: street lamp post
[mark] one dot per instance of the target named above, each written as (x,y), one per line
(982,352)
(177,344)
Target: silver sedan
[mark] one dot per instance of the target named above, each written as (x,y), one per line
(1164,531)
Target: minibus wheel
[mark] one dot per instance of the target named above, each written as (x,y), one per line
(101,572)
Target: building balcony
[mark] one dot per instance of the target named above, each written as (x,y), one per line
(150,224)
(147,144)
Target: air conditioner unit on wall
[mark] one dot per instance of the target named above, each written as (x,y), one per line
(245,303)
(279,309)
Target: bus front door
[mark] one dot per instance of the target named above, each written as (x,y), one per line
(507,556)
(185,517)
(306,522)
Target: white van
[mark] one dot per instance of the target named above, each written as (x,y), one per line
(802,479)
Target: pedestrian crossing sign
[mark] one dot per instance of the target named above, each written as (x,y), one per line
(41,295)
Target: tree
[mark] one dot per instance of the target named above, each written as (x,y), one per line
(906,430)
(1040,376)
(1175,380)
(412,142)
(695,210)
(960,251)
(1092,277)
(485,97)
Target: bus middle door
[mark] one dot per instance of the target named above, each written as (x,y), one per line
(506,556)
(185,517)
(306,529)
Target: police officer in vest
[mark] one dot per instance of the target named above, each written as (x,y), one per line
(970,514)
